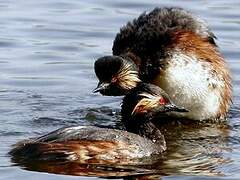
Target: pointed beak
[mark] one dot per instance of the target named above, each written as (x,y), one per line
(173,107)
(101,86)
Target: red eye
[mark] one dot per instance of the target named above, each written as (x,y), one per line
(162,101)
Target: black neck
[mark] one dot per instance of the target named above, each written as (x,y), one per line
(140,124)
(145,129)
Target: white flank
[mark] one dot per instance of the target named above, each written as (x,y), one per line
(188,82)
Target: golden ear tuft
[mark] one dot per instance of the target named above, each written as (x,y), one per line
(146,104)
(127,77)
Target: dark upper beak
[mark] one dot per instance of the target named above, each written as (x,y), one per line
(173,107)
(101,86)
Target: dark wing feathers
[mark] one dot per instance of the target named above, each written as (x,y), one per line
(139,35)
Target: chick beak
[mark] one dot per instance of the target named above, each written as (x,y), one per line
(101,86)
(173,107)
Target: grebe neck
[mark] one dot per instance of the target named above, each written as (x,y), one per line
(146,129)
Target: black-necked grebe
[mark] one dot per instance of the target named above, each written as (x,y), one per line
(89,144)
(176,51)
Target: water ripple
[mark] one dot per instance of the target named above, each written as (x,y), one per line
(48,49)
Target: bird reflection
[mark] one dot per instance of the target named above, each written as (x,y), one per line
(195,148)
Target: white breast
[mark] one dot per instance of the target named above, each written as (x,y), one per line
(192,84)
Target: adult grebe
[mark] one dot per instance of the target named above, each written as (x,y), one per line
(89,144)
(176,51)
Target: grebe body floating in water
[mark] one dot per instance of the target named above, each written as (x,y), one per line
(89,144)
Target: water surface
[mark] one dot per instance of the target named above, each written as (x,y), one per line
(47,51)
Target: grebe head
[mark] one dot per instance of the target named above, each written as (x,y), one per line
(116,75)
(143,103)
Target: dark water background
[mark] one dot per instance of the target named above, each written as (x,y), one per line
(47,51)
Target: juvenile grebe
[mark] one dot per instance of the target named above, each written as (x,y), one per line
(89,144)
(176,51)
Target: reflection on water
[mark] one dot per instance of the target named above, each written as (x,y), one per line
(46,62)
(76,169)
(198,150)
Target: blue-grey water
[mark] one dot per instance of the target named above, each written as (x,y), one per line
(47,51)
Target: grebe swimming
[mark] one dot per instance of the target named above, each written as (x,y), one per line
(90,144)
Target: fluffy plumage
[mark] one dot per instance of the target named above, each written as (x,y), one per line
(148,35)
(177,52)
